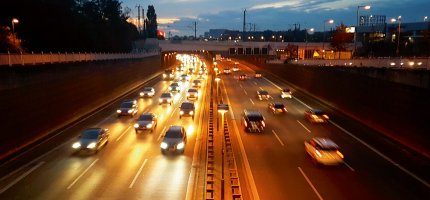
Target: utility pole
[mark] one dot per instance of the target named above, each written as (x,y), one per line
(244,24)
(195,30)
(138,17)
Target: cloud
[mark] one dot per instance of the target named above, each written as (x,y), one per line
(167,20)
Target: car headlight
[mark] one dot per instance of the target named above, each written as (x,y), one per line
(136,125)
(92,145)
(149,126)
(181,112)
(191,112)
(180,145)
(118,111)
(188,94)
(141,94)
(160,100)
(170,88)
(164,145)
(130,111)
(76,145)
(164,75)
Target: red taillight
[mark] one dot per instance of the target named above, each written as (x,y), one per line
(339,154)
(273,109)
(263,124)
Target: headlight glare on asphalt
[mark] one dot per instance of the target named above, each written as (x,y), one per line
(164,145)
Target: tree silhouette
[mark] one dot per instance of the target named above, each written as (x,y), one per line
(341,38)
(151,22)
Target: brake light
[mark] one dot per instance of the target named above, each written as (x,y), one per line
(314,116)
(325,116)
(273,109)
(339,154)
(263,124)
(318,153)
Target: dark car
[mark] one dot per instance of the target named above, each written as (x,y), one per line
(253,121)
(175,87)
(242,77)
(92,139)
(186,109)
(263,95)
(316,115)
(168,74)
(146,121)
(277,107)
(127,107)
(174,140)
(165,98)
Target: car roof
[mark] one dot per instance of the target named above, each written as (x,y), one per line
(325,142)
(175,128)
(186,102)
(278,104)
(252,113)
(317,111)
(262,91)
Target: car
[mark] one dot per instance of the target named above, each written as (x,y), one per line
(187,109)
(201,76)
(184,77)
(324,151)
(92,139)
(165,98)
(146,121)
(174,140)
(227,71)
(316,115)
(253,121)
(277,107)
(192,94)
(263,95)
(242,77)
(236,68)
(196,83)
(175,87)
(286,93)
(168,74)
(127,107)
(258,75)
(147,92)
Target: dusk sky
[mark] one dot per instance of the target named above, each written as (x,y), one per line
(177,16)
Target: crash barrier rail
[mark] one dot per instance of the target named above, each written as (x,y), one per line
(210,155)
(51,58)
(402,63)
(236,191)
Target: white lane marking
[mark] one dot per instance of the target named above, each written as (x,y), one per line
(21,177)
(349,166)
(240,85)
(120,136)
(272,83)
(82,174)
(302,103)
(255,83)
(310,183)
(252,101)
(245,91)
(243,154)
(277,137)
(174,110)
(304,126)
(260,88)
(104,120)
(383,156)
(138,173)
(161,134)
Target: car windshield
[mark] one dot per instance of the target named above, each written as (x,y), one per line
(166,95)
(263,92)
(286,90)
(127,105)
(192,90)
(255,118)
(196,81)
(173,134)
(279,105)
(146,117)
(90,134)
(174,85)
(187,106)
(147,89)
(318,112)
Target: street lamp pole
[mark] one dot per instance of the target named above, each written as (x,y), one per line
(14,21)
(306,39)
(222,108)
(330,21)
(367,7)
(399,21)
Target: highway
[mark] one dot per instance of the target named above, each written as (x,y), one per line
(280,166)
(130,166)
(272,164)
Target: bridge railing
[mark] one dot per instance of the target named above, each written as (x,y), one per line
(51,58)
(406,63)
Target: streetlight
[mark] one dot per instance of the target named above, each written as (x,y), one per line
(425,18)
(222,108)
(330,21)
(366,7)
(399,21)
(14,21)
(308,31)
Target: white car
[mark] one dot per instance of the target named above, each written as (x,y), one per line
(286,93)
(235,69)
(324,151)
(147,92)
(192,94)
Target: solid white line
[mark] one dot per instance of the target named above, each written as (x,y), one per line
(161,134)
(88,168)
(252,101)
(243,153)
(120,136)
(352,169)
(279,139)
(174,110)
(304,126)
(261,88)
(255,83)
(240,85)
(302,103)
(138,172)
(21,177)
(272,83)
(310,183)
(281,89)
(245,91)
(383,156)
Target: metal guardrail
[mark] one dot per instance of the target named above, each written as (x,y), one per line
(210,155)
(51,58)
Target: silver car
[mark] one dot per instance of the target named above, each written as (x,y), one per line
(174,140)
(92,139)
(146,121)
